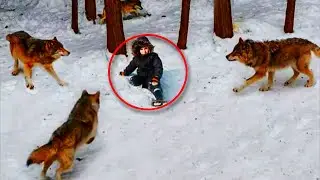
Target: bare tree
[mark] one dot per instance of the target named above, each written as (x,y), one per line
(223,19)
(289,21)
(184,24)
(90,10)
(115,34)
(74,18)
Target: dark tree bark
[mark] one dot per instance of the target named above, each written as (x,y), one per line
(74,18)
(90,9)
(115,34)
(223,19)
(289,21)
(184,24)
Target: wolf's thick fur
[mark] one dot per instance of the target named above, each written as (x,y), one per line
(31,51)
(129,10)
(270,56)
(80,128)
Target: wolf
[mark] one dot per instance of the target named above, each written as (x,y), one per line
(129,9)
(269,56)
(79,129)
(32,51)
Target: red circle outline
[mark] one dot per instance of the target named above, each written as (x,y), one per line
(163,38)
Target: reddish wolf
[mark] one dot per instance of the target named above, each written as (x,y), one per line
(270,56)
(129,10)
(79,129)
(31,51)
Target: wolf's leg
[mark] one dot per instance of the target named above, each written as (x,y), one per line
(309,73)
(27,70)
(256,77)
(15,70)
(65,158)
(46,165)
(51,71)
(293,78)
(270,82)
(303,67)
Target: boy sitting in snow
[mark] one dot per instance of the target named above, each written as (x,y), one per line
(149,67)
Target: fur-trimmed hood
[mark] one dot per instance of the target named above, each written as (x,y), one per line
(139,43)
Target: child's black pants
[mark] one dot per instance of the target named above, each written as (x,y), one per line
(146,83)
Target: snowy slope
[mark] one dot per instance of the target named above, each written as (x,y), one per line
(209,133)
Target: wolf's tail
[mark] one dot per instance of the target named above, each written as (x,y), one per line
(41,154)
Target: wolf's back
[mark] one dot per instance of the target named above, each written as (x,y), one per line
(18,36)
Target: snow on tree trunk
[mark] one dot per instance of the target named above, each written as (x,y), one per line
(90,10)
(115,34)
(223,19)
(184,24)
(289,21)
(74,21)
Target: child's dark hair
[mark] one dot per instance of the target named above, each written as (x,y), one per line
(140,43)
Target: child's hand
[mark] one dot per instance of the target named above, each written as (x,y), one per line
(155,81)
(121,73)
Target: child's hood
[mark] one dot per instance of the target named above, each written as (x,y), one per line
(139,43)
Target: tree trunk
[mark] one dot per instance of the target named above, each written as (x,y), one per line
(184,24)
(115,34)
(223,19)
(289,21)
(90,9)
(74,20)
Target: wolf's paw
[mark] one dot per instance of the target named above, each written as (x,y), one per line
(63,83)
(90,140)
(308,84)
(30,86)
(264,88)
(44,177)
(287,83)
(15,72)
(236,90)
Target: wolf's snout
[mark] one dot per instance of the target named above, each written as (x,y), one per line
(64,52)
(229,57)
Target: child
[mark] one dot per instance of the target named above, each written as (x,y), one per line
(149,67)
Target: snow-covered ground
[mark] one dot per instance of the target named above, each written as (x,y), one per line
(210,133)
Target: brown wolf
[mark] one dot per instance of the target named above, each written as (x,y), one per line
(80,128)
(31,51)
(270,56)
(129,10)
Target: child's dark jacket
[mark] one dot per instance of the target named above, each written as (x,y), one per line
(149,66)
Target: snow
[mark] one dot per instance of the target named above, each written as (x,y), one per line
(208,133)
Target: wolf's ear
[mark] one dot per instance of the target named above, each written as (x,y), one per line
(98,93)
(97,97)
(55,38)
(84,92)
(240,40)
